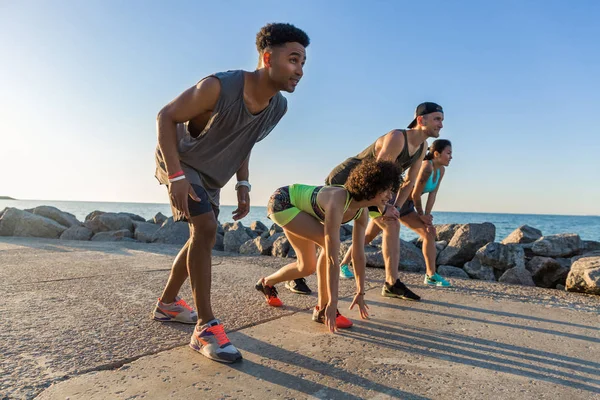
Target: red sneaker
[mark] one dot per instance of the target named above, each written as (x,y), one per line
(270,293)
(340,321)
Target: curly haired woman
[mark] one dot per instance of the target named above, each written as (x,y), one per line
(311,216)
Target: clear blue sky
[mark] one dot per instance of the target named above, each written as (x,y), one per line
(82,81)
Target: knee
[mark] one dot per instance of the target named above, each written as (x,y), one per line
(427,234)
(391,226)
(204,232)
(306,268)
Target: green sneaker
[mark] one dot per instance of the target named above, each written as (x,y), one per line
(345,272)
(436,280)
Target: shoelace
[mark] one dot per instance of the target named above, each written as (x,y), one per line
(183,304)
(219,332)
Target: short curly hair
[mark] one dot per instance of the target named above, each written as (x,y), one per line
(278,34)
(371,177)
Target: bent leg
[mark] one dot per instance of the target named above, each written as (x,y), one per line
(371,233)
(413,222)
(303,232)
(179,273)
(390,247)
(203,231)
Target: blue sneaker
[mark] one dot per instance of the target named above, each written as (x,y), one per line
(436,280)
(345,272)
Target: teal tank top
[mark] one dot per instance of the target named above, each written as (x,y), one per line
(433,181)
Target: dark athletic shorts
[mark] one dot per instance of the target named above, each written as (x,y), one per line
(203,207)
(407,208)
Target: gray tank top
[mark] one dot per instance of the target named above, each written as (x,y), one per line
(340,174)
(214,155)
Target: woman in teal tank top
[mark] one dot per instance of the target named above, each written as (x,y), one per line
(411,213)
(311,217)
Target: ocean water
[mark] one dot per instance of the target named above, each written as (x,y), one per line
(588,227)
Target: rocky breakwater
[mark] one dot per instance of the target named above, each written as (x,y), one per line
(468,251)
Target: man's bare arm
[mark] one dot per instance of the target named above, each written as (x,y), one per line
(195,101)
(392,146)
(409,183)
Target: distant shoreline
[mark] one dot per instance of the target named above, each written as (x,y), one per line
(6,198)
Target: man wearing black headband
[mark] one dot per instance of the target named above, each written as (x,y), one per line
(406,147)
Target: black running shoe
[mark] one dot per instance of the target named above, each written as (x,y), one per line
(399,290)
(298,286)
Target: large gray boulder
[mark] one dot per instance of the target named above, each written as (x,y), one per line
(15,222)
(109,222)
(159,218)
(523,234)
(251,233)
(547,272)
(172,232)
(92,215)
(466,241)
(275,229)
(452,272)
(588,246)
(9,219)
(144,231)
(374,257)
(561,245)
(62,217)
(134,217)
(584,275)
(77,233)
(281,247)
(501,257)
(344,246)
(517,276)
(258,227)
(440,245)
(112,236)
(477,271)
(445,231)
(345,230)
(261,246)
(219,240)
(411,258)
(235,236)
(250,247)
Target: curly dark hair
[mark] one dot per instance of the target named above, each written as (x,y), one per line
(277,34)
(371,177)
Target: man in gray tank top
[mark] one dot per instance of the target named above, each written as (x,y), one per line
(204,138)
(407,148)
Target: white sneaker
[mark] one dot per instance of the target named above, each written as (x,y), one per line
(178,311)
(211,341)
